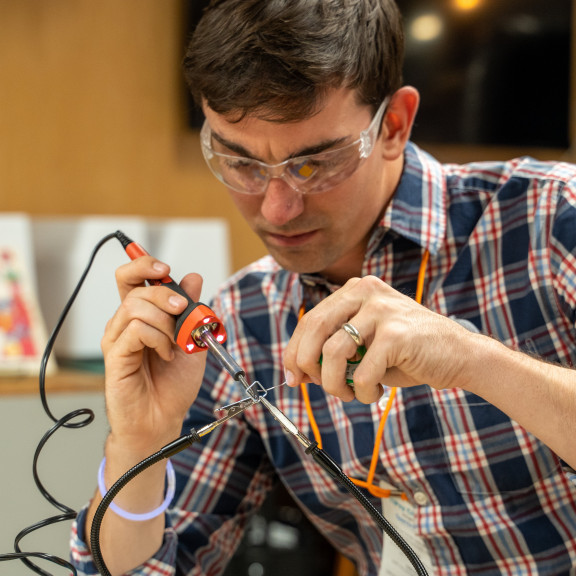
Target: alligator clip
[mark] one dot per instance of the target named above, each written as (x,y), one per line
(230,411)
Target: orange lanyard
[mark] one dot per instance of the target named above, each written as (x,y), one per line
(369,482)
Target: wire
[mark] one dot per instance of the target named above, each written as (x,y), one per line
(58,327)
(76,419)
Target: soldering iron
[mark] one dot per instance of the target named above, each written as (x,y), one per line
(197,327)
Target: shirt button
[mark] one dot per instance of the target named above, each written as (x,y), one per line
(420,498)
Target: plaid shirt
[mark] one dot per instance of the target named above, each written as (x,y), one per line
(492,499)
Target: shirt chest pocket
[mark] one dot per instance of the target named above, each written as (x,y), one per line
(485,452)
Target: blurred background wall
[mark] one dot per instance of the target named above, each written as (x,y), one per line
(93,115)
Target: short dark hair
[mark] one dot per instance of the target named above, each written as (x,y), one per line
(277,59)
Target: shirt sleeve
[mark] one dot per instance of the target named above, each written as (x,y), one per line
(562,251)
(163,562)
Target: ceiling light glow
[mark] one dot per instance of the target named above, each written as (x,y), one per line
(466,4)
(426,27)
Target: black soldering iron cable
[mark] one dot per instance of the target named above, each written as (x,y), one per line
(43,556)
(56,332)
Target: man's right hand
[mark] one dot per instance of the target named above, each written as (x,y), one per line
(150,384)
(150,381)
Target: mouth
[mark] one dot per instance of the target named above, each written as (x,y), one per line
(290,240)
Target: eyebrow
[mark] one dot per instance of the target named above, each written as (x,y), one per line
(308,151)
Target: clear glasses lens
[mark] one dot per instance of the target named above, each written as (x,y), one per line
(306,174)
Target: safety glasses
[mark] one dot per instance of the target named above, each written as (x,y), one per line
(311,174)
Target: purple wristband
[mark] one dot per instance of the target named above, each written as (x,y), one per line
(147,515)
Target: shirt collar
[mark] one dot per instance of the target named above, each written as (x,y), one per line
(417,210)
(312,288)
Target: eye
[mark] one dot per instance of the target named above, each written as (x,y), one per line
(243,168)
(303,169)
(237,164)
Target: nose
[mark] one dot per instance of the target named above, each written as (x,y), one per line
(281,203)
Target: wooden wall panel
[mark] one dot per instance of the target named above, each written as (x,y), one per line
(92,115)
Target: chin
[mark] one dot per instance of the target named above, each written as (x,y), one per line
(291,260)
(300,264)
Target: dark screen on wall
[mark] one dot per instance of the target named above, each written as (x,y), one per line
(490,72)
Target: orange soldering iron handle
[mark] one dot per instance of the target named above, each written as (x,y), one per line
(194,317)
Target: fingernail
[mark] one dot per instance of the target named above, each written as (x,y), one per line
(159,266)
(289,377)
(176,301)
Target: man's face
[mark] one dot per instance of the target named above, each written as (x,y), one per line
(325,232)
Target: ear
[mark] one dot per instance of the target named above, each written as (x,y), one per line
(398,121)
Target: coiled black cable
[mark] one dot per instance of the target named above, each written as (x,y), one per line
(76,419)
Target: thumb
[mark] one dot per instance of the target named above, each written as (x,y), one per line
(192,285)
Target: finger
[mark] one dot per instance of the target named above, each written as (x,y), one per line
(135,273)
(316,326)
(370,372)
(374,372)
(153,306)
(192,285)
(138,336)
(367,392)
(329,315)
(297,364)
(291,380)
(336,353)
(303,351)
(369,368)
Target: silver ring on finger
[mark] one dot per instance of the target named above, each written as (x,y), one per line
(353,333)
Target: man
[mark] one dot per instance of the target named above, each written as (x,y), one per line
(308,125)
